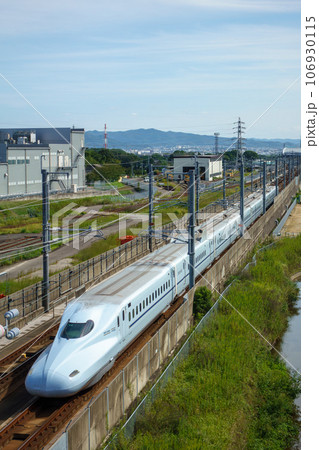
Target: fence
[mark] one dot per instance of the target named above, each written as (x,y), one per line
(129,427)
(103,412)
(72,282)
(88,430)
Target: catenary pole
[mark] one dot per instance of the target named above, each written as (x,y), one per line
(45,241)
(242,195)
(151,211)
(264,187)
(191,229)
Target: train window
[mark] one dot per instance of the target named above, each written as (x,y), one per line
(129,316)
(118,321)
(77,330)
(169,283)
(149,299)
(123,315)
(140,307)
(143,304)
(136,310)
(133,313)
(161,289)
(146,301)
(153,296)
(166,284)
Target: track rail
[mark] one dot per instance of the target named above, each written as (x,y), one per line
(37,424)
(15,366)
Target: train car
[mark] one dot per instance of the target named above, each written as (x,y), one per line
(96,327)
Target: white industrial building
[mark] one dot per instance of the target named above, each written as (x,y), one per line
(210,166)
(23,152)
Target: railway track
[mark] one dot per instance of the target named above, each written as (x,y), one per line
(9,245)
(35,425)
(15,366)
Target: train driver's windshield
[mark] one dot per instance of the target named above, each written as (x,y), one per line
(74,330)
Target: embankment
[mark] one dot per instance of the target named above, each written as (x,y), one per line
(233,391)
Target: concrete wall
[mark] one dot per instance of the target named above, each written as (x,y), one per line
(86,430)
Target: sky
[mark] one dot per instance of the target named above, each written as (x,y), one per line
(180,65)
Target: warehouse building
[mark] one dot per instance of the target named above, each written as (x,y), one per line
(210,166)
(24,151)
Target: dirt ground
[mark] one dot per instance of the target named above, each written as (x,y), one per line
(293,224)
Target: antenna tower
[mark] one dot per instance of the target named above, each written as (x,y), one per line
(105,137)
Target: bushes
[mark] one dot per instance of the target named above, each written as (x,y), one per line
(202,302)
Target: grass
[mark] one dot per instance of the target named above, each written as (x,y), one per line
(98,247)
(10,286)
(26,254)
(232,391)
(26,217)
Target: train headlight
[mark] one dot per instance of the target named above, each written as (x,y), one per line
(74,373)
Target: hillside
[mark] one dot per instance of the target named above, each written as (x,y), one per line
(151,138)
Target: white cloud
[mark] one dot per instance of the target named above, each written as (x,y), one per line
(36,16)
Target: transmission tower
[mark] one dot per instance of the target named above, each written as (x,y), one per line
(239,140)
(216,142)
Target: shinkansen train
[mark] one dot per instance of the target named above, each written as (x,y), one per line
(96,327)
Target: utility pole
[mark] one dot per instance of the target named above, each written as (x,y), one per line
(252,176)
(293,167)
(264,187)
(45,241)
(276,175)
(224,185)
(284,161)
(150,205)
(216,142)
(105,137)
(289,169)
(197,179)
(191,229)
(242,195)
(239,129)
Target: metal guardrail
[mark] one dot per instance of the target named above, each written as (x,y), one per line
(279,227)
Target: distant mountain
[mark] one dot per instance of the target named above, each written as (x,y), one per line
(151,138)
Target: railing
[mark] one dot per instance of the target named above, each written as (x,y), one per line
(65,284)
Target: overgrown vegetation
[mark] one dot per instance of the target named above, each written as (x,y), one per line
(202,302)
(25,254)
(9,286)
(232,391)
(26,217)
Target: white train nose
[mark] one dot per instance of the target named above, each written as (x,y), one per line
(52,384)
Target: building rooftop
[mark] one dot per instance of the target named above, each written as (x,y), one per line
(44,135)
(199,156)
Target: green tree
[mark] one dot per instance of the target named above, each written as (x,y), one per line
(202,302)
(250,155)
(231,155)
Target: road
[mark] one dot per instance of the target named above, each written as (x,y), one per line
(60,258)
